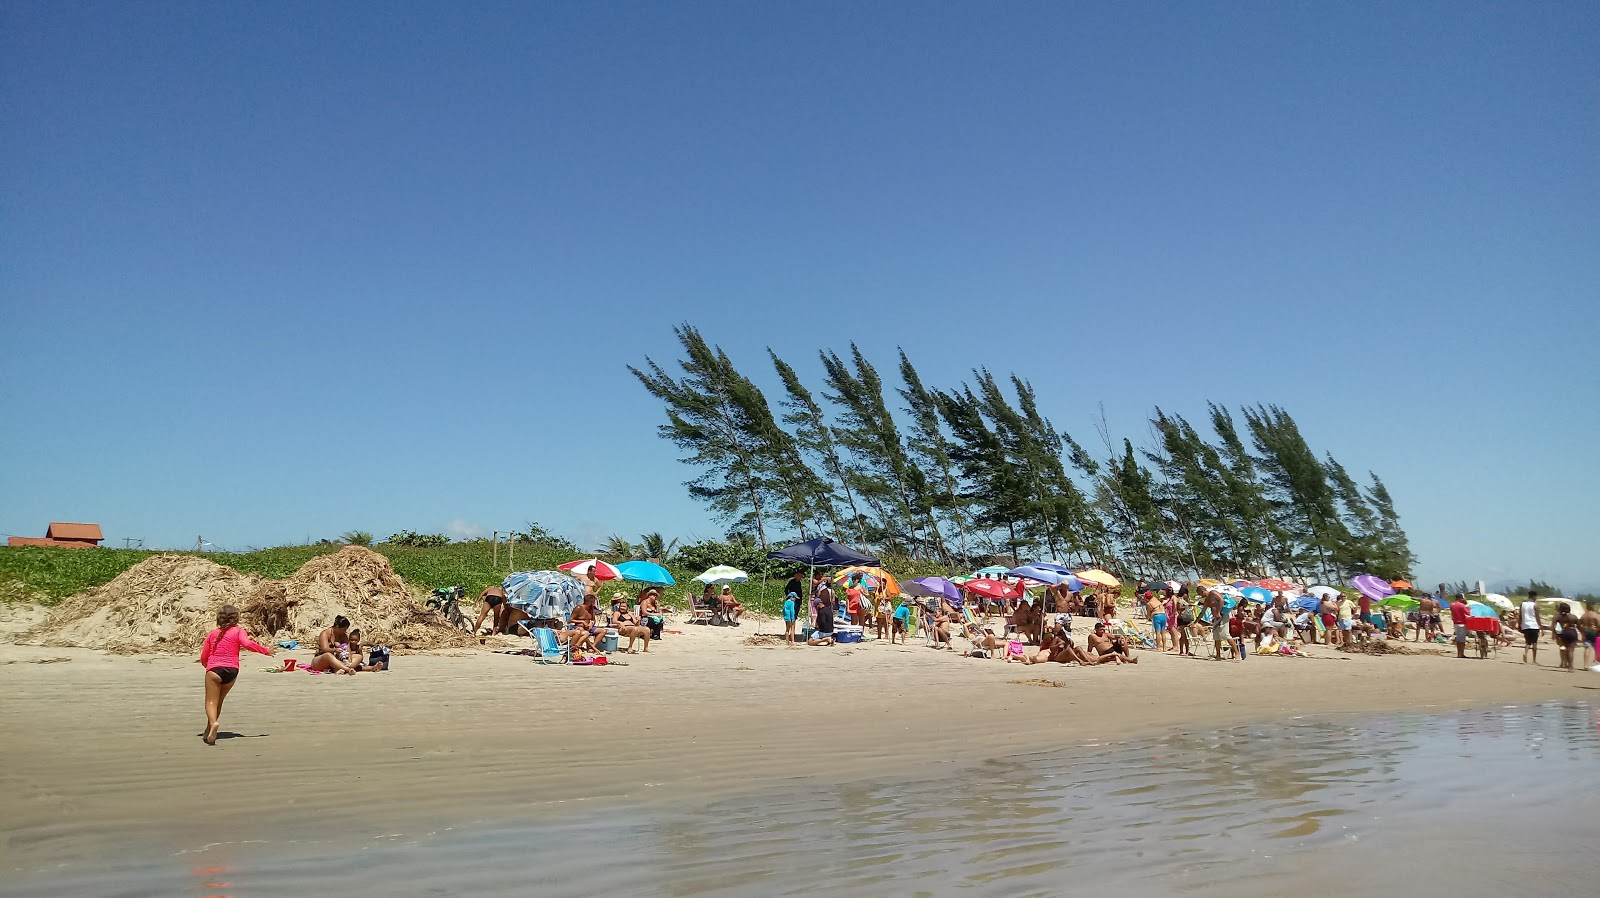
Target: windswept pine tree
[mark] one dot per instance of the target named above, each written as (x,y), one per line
(982,466)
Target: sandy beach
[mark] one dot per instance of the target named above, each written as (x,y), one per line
(102,756)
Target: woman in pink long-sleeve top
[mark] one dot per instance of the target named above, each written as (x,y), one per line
(220,657)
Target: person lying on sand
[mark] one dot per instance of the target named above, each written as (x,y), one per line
(628,624)
(333,648)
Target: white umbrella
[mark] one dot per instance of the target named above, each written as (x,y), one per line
(723,574)
(1498,601)
(1322,592)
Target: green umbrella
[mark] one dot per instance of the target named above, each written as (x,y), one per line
(1404,603)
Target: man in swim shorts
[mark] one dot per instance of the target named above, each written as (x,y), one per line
(1458,618)
(1159,619)
(1589,626)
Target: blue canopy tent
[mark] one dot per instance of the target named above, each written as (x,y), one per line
(824,552)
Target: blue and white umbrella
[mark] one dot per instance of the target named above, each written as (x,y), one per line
(543,594)
(1305,603)
(1257,594)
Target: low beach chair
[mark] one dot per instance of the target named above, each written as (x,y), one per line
(550,649)
(698,613)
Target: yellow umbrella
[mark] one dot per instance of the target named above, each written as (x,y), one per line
(1095,575)
(1210,582)
(887,584)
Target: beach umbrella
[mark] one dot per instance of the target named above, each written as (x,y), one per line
(881,579)
(823,552)
(1305,603)
(1277,585)
(1038,574)
(543,594)
(1255,594)
(1404,603)
(933,587)
(1401,584)
(1227,591)
(1322,592)
(1372,587)
(1204,582)
(1498,601)
(989,571)
(645,572)
(959,579)
(994,589)
(1478,609)
(722,573)
(1095,575)
(593,568)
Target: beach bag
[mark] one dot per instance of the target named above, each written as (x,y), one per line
(1185,614)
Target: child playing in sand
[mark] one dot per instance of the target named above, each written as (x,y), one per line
(220,658)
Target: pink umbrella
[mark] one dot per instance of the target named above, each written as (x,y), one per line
(994,589)
(1372,587)
(1277,585)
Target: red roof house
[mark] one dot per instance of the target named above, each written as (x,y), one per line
(64,534)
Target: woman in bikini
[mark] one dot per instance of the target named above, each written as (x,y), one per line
(629,625)
(333,648)
(219,656)
(651,613)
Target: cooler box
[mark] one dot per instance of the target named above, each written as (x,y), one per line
(609,643)
(1490,625)
(846,634)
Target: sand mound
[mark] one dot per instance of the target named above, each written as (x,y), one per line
(167,603)
(1377,647)
(359,584)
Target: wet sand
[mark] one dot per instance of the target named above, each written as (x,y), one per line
(100,757)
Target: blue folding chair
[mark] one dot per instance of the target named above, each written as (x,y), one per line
(550,649)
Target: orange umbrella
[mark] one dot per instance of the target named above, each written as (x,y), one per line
(1401,584)
(886,580)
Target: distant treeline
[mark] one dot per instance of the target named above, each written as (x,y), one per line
(976,471)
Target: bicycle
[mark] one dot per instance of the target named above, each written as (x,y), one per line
(447,601)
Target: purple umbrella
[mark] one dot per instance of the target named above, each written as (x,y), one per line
(933,587)
(1372,587)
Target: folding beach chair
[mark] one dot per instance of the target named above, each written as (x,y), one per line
(550,649)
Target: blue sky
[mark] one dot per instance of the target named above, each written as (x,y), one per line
(272,272)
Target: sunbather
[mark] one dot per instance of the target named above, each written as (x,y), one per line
(628,624)
(651,614)
(583,629)
(1103,645)
(333,648)
(731,609)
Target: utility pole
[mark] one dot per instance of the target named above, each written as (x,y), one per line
(199,544)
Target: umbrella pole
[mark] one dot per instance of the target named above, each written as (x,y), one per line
(760,616)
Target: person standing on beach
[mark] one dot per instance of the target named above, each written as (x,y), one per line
(1532,623)
(219,657)
(1564,627)
(822,605)
(1458,619)
(1589,626)
(1219,623)
(791,608)
(796,586)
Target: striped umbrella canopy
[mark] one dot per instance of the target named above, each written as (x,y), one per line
(723,573)
(882,579)
(1372,587)
(593,568)
(1205,582)
(989,571)
(543,594)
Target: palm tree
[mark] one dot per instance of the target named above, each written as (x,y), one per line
(617,547)
(356,538)
(655,548)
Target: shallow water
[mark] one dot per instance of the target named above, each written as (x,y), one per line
(1441,803)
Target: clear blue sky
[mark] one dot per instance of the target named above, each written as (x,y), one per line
(275,271)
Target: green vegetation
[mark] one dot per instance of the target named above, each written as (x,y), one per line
(51,574)
(356,537)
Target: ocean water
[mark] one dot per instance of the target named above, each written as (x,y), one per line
(1445,804)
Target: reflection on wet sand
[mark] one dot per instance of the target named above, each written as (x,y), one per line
(1195,813)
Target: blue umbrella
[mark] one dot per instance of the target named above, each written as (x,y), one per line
(1050,566)
(933,587)
(824,552)
(1305,603)
(645,572)
(1259,595)
(1042,575)
(543,594)
(1478,609)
